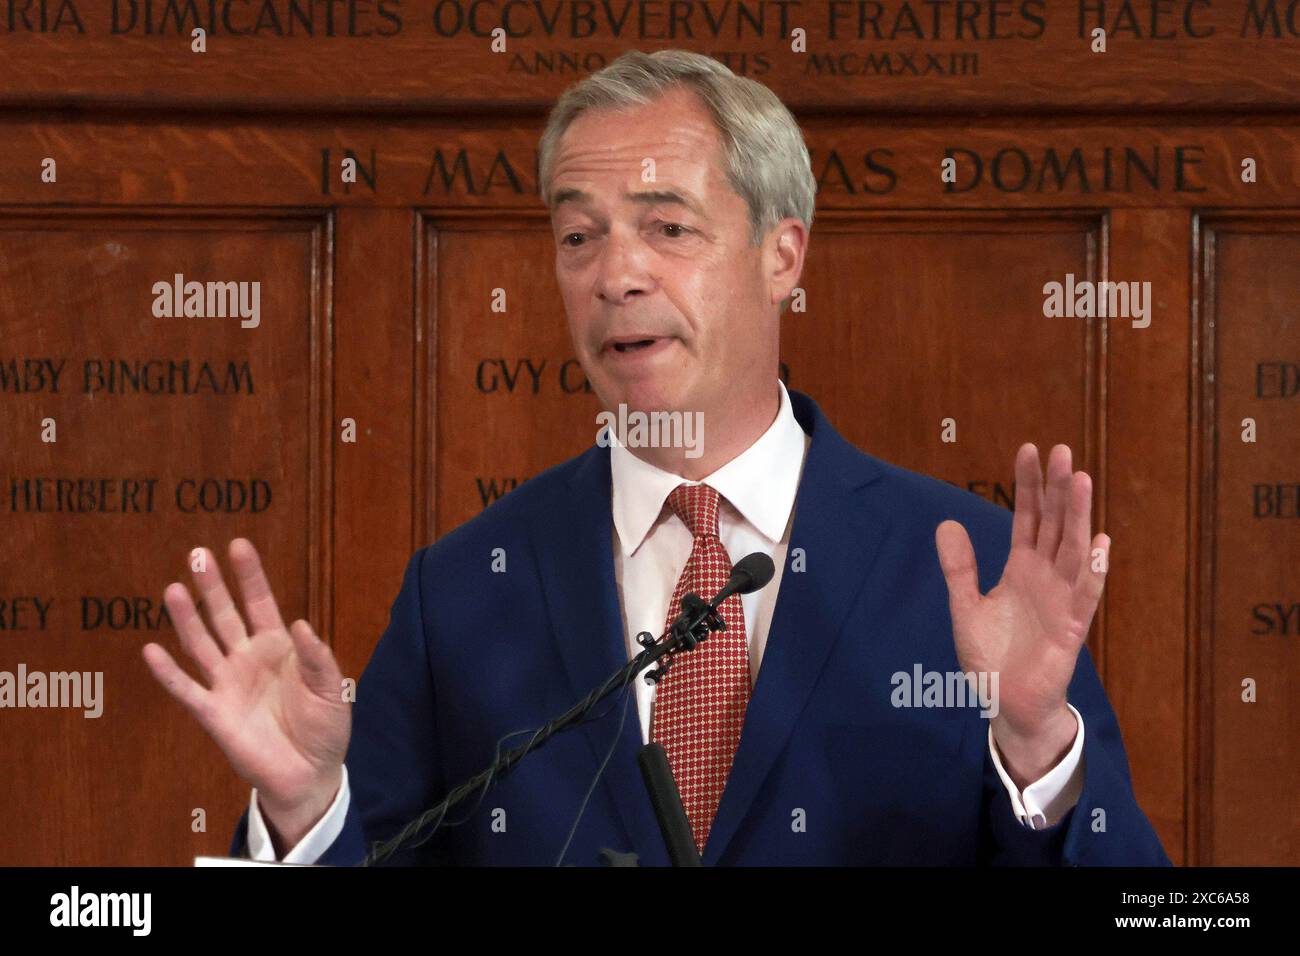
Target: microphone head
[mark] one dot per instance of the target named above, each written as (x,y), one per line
(752,572)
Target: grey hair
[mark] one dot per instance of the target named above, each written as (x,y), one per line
(766,160)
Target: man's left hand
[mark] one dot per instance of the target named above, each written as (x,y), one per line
(1029,628)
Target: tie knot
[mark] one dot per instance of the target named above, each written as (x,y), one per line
(697,506)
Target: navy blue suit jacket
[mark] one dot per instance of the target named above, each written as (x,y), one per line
(827,772)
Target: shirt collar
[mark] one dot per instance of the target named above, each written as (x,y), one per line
(760,482)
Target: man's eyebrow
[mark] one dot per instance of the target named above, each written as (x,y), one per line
(655,197)
(648,197)
(570,195)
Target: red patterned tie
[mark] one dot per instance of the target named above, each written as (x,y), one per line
(699,705)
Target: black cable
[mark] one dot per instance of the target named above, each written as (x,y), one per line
(613,745)
(487,784)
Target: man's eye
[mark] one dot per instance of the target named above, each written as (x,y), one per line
(565,240)
(675,225)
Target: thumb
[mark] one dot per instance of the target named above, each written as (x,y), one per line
(315,661)
(957,559)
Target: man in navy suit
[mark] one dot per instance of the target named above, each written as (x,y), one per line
(830,723)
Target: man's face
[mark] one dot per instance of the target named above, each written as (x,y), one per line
(666,260)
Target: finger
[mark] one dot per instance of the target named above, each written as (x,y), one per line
(315,661)
(191,694)
(1058,493)
(1090,583)
(1029,497)
(1078,526)
(957,559)
(222,613)
(195,639)
(259,603)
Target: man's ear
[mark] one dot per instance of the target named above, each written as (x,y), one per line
(787,245)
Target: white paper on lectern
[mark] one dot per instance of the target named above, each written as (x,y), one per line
(237,861)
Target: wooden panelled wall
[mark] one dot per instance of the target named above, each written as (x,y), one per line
(1172,160)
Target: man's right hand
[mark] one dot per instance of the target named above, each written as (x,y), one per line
(274,697)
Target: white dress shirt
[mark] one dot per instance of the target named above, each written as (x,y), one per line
(651,547)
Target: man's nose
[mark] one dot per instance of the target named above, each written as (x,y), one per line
(622,268)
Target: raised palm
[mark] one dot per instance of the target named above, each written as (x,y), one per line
(274,701)
(1030,627)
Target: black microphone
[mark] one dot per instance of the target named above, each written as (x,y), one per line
(667,803)
(750,573)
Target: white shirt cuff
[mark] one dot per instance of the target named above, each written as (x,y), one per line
(1046,800)
(312,846)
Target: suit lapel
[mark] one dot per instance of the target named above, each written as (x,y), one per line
(572,541)
(839,533)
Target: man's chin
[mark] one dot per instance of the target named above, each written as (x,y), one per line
(647,398)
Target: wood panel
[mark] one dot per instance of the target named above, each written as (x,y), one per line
(1148,441)
(157,434)
(489,163)
(511,398)
(886,55)
(374,520)
(1248,513)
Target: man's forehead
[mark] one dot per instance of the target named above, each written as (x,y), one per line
(678,153)
(650,196)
